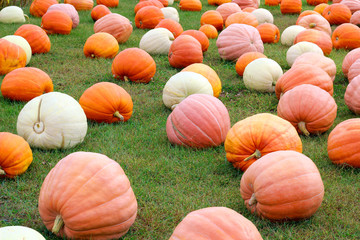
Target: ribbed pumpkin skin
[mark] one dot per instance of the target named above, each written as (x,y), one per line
(212,17)
(56,22)
(257,136)
(304,14)
(242,17)
(174,27)
(272,2)
(69,10)
(99,11)
(36,36)
(108,3)
(346,36)
(81,5)
(337,14)
(320,8)
(115,24)
(15,155)
(198,121)
(227,9)
(148,17)
(134,64)
(353,5)
(303,74)
(101,44)
(106,102)
(269,32)
(354,70)
(209,30)
(185,50)
(142,4)
(200,36)
(215,223)
(316,2)
(39,7)
(247,3)
(351,97)
(320,38)
(12,56)
(315,22)
(23,84)
(245,59)
(349,59)
(290,6)
(281,186)
(92,195)
(190,5)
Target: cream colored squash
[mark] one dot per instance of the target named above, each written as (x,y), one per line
(170,2)
(183,84)
(171,13)
(19,233)
(262,75)
(157,41)
(263,15)
(299,48)
(20,41)
(289,34)
(12,14)
(52,120)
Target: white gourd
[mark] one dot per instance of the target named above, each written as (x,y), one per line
(170,13)
(183,84)
(19,233)
(170,2)
(157,41)
(23,43)
(299,48)
(289,34)
(12,14)
(52,120)
(263,15)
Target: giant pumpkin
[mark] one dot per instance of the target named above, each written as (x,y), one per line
(351,95)
(12,56)
(56,22)
(101,44)
(346,36)
(115,24)
(185,50)
(37,38)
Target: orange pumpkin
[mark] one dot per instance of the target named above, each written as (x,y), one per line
(257,136)
(243,18)
(115,24)
(81,4)
(134,64)
(16,155)
(342,142)
(351,93)
(305,13)
(185,50)
(106,102)
(200,36)
(320,38)
(190,5)
(282,186)
(349,59)
(174,27)
(212,17)
(320,8)
(148,17)
(316,22)
(248,9)
(164,2)
(26,83)
(272,2)
(245,59)
(209,30)
(56,22)
(39,7)
(108,3)
(290,6)
(337,13)
(101,44)
(316,2)
(12,56)
(37,38)
(87,196)
(269,32)
(227,9)
(346,36)
(99,11)
(142,4)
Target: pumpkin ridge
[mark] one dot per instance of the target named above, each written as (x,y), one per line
(177,130)
(10,156)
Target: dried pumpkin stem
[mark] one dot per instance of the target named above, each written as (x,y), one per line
(252,200)
(303,129)
(256,154)
(118,115)
(126,79)
(58,224)
(27,17)
(2,172)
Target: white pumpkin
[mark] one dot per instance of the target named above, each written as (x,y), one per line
(170,2)
(183,84)
(299,48)
(12,14)
(262,75)
(19,233)
(157,41)
(52,120)
(289,34)
(170,13)
(23,43)
(263,15)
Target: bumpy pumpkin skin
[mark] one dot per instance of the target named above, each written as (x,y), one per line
(258,135)
(282,186)
(15,155)
(91,195)
(12,56)
(36,36)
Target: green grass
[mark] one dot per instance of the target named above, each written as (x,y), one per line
(171,181)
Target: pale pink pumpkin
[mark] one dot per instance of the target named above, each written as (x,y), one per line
(352,95)
(227,9)
(353,5)
(247,3)
(238,39)
(316,22)
(349,59)
(69,10)
(116,25)
(354,70)
(355,18)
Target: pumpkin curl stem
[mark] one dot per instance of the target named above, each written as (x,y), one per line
(256,154)
(118,115)
(58,224)
(303,129)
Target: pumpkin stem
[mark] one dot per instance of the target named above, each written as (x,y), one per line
(27,17)
(118,115)
(58,224)
(303,129)
(312,25)
(126,79)
(173,106)
(252,200)
(2,172)
(256,154)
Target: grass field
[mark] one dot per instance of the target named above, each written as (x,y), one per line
(171,181)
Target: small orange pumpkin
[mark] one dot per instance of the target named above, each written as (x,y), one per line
(269,32)
(290,6)
(39,7)
(245,59)
(148,17)
(142,4)
(337,13)
(185,50)
(37,38)
(56,22)
(209,30)
(12,56)
(81,4)
(200,36)
(99,11)
(243,18)
(346,36)
(108,3)
(101,44)
(212,17)
(190,5)
(173,26)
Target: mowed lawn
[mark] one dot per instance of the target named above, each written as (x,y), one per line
(170,181)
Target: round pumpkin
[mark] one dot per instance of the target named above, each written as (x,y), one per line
(174,27)
(320,38)
(245,59)
(185,50)
(81,5)
(115,24)
(69,10)
(16,155)
(170,13)
(37,38)
(39,7)
(289,34)
(316,22)
(212,17)
(142,4)
(337,14)
(304,14)
(190,5)
(351,93)
(20,232)
(87,195)
(355,18)
(108,3)
(346,36)
(209,30)
(101,44)
(148,17)
(227,9)
(99,11)
(56,22)
(269,32)
(354,70)
(157,41)
(200,36)
(242,18)
(21,42)
(299,48)
(257,136)
(290,6)
(12,56)
(349,59)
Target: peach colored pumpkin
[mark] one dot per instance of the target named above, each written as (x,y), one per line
(200,36)
(69,10)
(351,96)
(185,50)
(212,17)
(355,18)
(116,25)
(242,17)
(349,59)
(354,70)
(227,9)
(12,56)
(247,3)
(316,22)
(37,38)
(353,5)
(346,36)
(209,30)
(81,5)
(320,38)
(306,13)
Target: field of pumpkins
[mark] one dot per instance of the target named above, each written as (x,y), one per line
(190,119)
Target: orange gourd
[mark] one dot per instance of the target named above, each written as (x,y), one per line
(99,11)
(81,5)
(242,18)
(101,44)
(316,2)
(56,22)
(212,17)
(108,3)
(37,38)
(346,36)
(200,36)
(245,59)
(142,4)
(115,24)
(337,14)
(12,56)
(269,32)
(39,7)
(209,30)
(290,6)
(148,17)
(174,27)
(320,8)
(190,5)
(185,50)
(320,38)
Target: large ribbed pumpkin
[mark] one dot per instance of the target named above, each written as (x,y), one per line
(238,39)
(227,9)
(25,83)
(316,22)
(12,56)
(99,11)
(320,38)
(200,36)
(190,5)
(351,95)
(346,36)
(148,17)
(215,223)
(115,24)
(108,3)
(87,196)
(258,135)
(37,38)
(337,13)
(39,7)
(81,4)
(282,186)
(343,141)
(101,44)
(69,10)
(15,155)
(198,121)
(56,22)
(349,59)
(242,17)
(290,6)
(106,102)
(185,50)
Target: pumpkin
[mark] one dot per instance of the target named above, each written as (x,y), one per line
(282,186)
(148,17)
(164,2)
(12,14)
(349,59)
(142,4)
(39,7)
(316,2)
(69,10)
(20,232)
(174,27)
(170,13)
(353,5)
(106,102)
(272,2)
(51,121)
(183,84)
(227,9)
(264,80)
(351,93)
(320,7)
(238,39)
(16,156)
(245,59)
(207,72)
(26,83)
(212,17)
(289,34)
(157,41)
(355,18)
(56,22)
(346,36)
(101,44)
(81,5)
(299,48)
(315,22)
(185,50)
(337,14)
(37,38)
(248,9)
(190,5)
(290,6)
(354,70)
(99,11)
(12,56)
(198,121)
(258,135)
(243,18)
(200,36)
(304,14)
(215,223)
(87,195)
(108,3)
(209,30)
(263,15)
(342,141)
(320,38)
(310,109)
(304,74)
(269,33)
(115,24)
(133,64)
(247,3)
(218,2)
(21,42)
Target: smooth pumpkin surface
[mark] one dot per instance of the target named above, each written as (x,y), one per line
(209,30)
(346,36)
(212,17)
(56,22)
(12,56)
(190,5)
(173,26)
(320,38)
(108,3)
(69,10)
(349,59)
(351,97)
(200,36)
(185,50)
(157,41)
(337,14)
(39,7)
(142,4)
(247,3)
(81,5)
(316,22)
(37,38)
(148,17)
(101,44)
(20,232)
(245,59)
(243,18)
(227,9)
(115,24)
(99,11)
(269,32)
(290,6)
